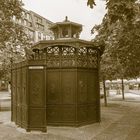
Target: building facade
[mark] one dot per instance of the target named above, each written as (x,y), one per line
(36,26)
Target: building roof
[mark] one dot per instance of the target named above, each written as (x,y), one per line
(41,17)
(29,11)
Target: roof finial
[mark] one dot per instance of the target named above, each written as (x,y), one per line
(66,18)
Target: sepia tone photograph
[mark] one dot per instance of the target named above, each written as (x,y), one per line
(69,69)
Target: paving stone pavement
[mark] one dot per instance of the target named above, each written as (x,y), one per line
(119,121)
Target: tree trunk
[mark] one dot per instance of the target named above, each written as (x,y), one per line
(104,87)
(123,89)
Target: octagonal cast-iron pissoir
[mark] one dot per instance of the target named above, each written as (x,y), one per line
(58,84)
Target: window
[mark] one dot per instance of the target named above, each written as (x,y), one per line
(25,22)
(28,16)
(38,19)
(37,25)
(51,38)
(40,27)
(31,34)
(39,36)
(44,37)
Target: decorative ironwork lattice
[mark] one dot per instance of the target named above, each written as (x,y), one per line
(53,56)
(92,58)
(67,56)
(82,57)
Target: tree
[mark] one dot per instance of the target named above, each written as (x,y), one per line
(9,30)
(120,32)
(12,35)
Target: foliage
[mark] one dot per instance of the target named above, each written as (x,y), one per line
(12,35)
(9,30)
(91,3)
(120,32)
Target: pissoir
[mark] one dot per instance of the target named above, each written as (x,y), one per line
(58,84)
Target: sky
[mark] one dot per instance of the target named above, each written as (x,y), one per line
(76,10)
